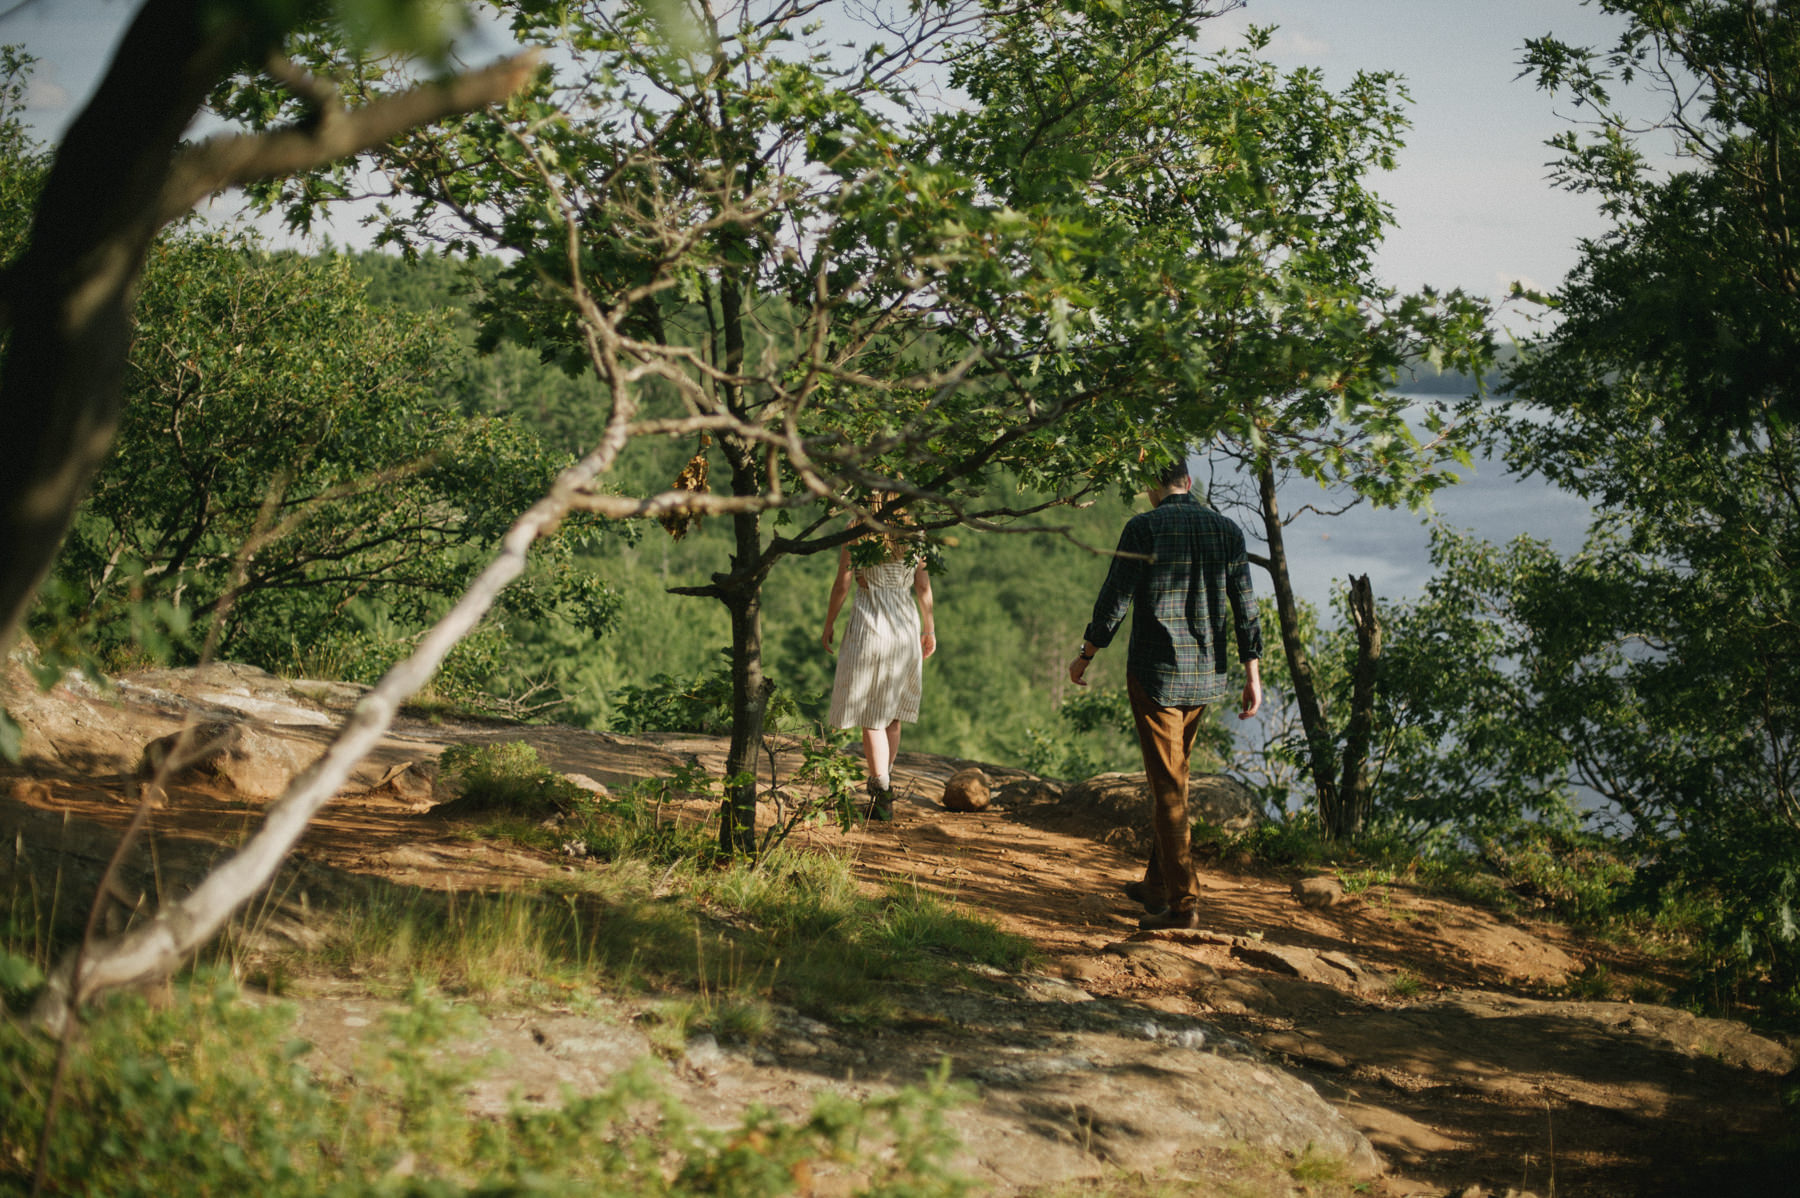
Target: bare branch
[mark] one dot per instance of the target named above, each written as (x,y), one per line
(237,159)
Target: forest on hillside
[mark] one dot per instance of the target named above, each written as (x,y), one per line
(1011,604)
(660,316)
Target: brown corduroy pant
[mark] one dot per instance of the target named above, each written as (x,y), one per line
(1166,736)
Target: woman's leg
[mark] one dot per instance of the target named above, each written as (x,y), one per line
(875,752)
(880,748)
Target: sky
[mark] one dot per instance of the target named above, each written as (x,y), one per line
(1473,202)
(1475,208)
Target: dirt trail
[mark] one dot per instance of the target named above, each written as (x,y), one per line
(1446,1033)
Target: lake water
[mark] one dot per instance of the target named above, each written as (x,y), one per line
(1393,547)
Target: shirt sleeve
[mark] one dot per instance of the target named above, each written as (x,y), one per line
(1242,594)
(1128,566)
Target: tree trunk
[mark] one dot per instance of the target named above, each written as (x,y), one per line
(1319,741)
(68,299)
(1353,789)
(742,591)
(750,691)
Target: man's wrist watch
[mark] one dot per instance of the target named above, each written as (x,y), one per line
(1083,654)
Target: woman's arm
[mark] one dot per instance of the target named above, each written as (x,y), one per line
(840,587)
(927,625)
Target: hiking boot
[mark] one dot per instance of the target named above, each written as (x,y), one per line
(1189,919)
(1140,894)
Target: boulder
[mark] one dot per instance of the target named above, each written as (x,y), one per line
(256,762)
(1123,800)
(1224,802)
(591,785)
(411,782)
(1318,892)
(72,726)
(1028,792)
(968,790)
(190,749)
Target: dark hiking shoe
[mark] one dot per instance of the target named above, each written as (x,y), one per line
(1140,894)
(1170,919)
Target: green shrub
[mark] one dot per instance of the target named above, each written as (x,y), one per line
(509,776)
(1576,876)
(1093,736)
(635,824)
(700,704)
(1272,843)
(824,787)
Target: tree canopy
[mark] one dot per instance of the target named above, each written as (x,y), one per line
(1657,672)
(287,449)
(123,172)
(758,241)
(1695,286)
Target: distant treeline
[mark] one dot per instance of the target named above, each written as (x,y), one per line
(1426,379)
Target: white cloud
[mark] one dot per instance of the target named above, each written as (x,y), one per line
(1293,44)
(43,94)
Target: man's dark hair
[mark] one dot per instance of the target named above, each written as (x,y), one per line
(1174,473)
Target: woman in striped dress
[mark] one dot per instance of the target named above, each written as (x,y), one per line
(879,671)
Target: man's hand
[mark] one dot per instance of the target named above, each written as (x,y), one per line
(1252,690)
(1078,670)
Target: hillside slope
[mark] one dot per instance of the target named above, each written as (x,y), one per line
(1443,1037)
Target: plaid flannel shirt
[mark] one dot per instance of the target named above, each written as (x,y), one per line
(1196,568)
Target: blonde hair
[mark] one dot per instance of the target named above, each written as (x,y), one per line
(896,545)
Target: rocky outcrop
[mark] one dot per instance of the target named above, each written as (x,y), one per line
(1064,1084)
(1305,1021)
(235,726)
(1061,1085)
(73,726)
(1115,807)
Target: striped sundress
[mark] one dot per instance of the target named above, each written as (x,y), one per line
(880,663)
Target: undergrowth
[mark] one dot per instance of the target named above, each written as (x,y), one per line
(209,1095)
(653,908)
(1577,878)
(716,941)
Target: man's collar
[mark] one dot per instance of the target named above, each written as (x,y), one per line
(1177,497)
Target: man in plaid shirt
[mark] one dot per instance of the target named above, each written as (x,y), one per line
(1180,565)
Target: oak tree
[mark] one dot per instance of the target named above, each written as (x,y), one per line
(768,244)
